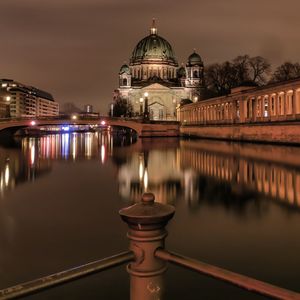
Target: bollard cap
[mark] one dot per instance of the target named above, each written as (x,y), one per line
(148,214)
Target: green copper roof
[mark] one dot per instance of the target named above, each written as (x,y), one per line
(124,69)
(153,48)
(195,59)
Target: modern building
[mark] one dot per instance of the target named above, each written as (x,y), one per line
(20,100)
(153,69)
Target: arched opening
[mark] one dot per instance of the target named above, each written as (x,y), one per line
(266,106)
(124,82)
(273,105)
(281,104)
(289,102)
(195,74)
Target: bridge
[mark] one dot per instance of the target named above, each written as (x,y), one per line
(141,127)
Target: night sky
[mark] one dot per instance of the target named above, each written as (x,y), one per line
(74,48)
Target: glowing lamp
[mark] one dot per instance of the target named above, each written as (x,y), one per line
(103,122)
(146,94)
(74,117)
(33,123)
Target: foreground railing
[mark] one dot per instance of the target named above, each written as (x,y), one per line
(148,260)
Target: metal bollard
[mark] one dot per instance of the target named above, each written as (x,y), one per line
(146,222)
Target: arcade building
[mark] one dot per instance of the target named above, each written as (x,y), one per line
(153,75)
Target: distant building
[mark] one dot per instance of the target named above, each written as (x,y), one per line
(153,68)
(20,100)
(88,108)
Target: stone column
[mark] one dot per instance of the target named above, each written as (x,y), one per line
(242,110)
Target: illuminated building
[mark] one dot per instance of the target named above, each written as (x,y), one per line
(153,69)
(27,101)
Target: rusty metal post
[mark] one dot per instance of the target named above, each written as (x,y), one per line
(146,221)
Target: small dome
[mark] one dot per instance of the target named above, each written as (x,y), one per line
(124,69)
(185,102)
(195,59)
(181,72)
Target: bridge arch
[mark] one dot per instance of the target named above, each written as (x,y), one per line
(150,129)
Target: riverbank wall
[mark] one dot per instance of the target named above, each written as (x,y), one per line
(281,132)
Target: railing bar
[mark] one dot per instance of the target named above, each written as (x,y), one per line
(241,281)
(53,280)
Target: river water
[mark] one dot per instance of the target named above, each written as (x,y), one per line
(237,207)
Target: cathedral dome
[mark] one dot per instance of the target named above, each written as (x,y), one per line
(195,59)
(153,49)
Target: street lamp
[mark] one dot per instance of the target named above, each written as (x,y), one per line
(141,106)
(112,110)
(146,109)
(6,103)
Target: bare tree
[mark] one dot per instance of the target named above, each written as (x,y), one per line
(241,66)
(219,78)
(286,71)
(243,69)
(260,68)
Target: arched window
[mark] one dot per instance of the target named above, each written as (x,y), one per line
(195,74)
(124,81)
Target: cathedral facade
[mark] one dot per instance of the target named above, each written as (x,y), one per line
(153,72)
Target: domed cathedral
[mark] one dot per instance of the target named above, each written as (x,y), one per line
(153,71)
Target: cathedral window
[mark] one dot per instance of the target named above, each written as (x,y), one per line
(124,81)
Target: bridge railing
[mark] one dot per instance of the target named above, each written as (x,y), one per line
(147,260)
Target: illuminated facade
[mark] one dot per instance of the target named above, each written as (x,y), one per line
(25,101)
(153,68)
(274,102)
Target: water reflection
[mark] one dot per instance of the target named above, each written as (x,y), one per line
(240,198)
(31,157)
(215,172)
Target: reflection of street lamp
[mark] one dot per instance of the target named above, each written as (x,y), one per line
(141,106)
(146,109)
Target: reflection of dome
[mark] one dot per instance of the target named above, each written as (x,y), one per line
(181,72)
(195,59)
(185,102)
(153,48)
(124,69)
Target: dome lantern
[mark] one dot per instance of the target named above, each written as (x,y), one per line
(153,29)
